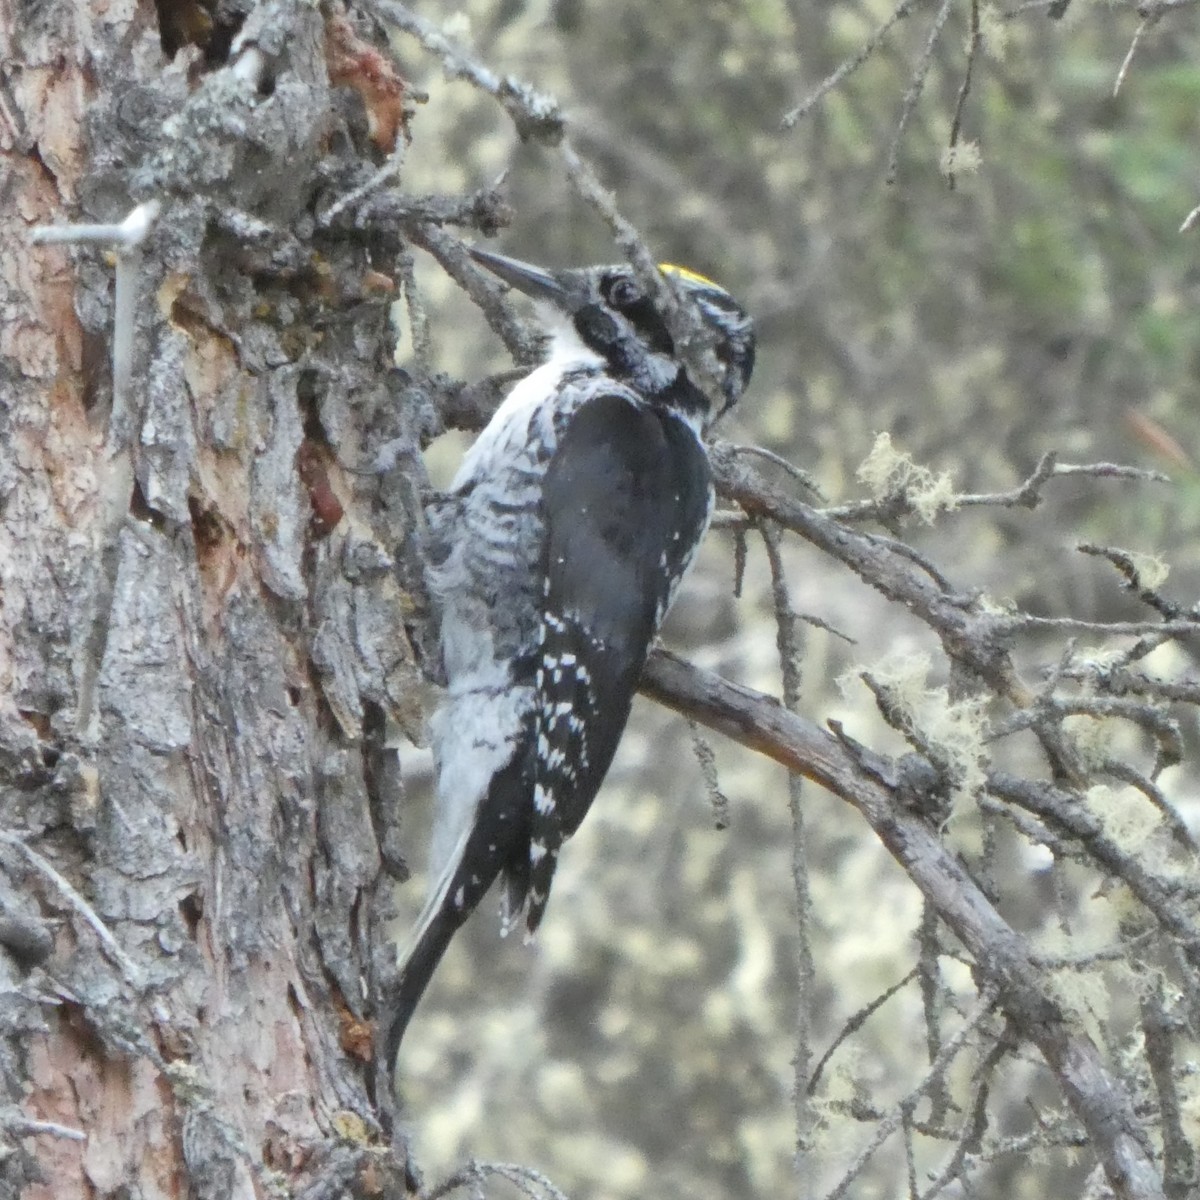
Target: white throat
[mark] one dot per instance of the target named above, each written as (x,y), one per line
(568,350)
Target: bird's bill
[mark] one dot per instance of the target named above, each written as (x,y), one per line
(535,282)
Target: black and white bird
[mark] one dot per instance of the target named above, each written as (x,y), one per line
(555,556)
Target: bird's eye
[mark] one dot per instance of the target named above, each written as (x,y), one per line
(623,292)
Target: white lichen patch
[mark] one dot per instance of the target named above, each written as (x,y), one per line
(1151,571)
(955,728)
(994,31)
(1092,738)
(1126,816)
(887,472)
(963,158)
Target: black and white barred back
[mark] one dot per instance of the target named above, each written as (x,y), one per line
(555,556)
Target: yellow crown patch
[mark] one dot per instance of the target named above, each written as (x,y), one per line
(684,273)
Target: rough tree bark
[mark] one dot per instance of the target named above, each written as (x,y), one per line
(203,662)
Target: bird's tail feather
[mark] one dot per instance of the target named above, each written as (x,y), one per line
(415,973)
(422,952)
(484,849)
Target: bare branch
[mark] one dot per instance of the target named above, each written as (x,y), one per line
(1127,62)
(1135,575)
(801,476)
(969,634)
(1027,494)
(1028,6)
(487,292)
(869,784)
(1165,629)
(486,210)
(1181,1174)
(1177,825)
(788,647)
(385,174)
(1060,810)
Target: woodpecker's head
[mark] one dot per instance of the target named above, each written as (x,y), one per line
(604,311)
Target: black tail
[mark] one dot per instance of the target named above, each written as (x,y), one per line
(415,975)
(498,840)
(400,1002)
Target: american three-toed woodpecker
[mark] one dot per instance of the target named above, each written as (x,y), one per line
(555,556)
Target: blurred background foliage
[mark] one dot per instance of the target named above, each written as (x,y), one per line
(1043,302)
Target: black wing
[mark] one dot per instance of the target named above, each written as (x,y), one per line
(627,496)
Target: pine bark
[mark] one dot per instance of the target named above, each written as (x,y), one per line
(204,663)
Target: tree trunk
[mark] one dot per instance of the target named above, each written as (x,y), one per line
(203,656)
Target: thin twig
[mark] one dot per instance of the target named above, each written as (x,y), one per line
(848,67)
(523,343)
(1181,1173)
(1027,494)
(385,174)
(915,88)
(904,1109)
(788,648)
(529,1182)
(1061,810)
(854,1024)
(1126,773)
(929,978)
(18,1126)
(1029,6)
(1127,62)
(133,975)
(801,476)
(536,115)
(717,799)
(973,47)
(1131,569)
(418,318)
(1167,629)
(973,1128)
